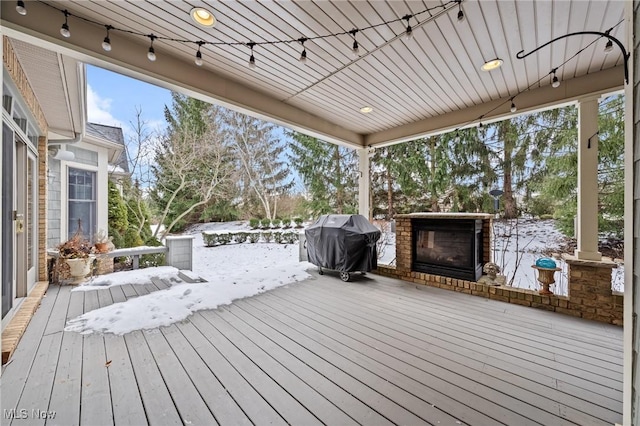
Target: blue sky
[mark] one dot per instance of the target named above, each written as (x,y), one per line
(112,99)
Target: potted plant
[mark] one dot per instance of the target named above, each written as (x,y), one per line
(77,251)
(101,241)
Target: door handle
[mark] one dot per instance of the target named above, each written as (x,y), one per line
(19,226)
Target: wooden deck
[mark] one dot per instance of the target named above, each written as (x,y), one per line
(374,351)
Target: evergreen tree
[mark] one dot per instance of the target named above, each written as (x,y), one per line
(118,220)
(329,172)
(559,185)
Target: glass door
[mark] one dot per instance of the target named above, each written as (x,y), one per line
(8,247)
(31,220)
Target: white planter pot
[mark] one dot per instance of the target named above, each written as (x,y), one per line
(79,268)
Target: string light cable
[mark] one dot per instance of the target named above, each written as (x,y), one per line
(552,73)
(251,44)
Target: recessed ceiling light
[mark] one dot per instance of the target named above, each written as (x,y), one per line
(203,17)
(492,64)
(366,109)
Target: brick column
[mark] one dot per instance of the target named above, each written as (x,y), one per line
(487,254)
(43,182)
(403,245)
(590,290)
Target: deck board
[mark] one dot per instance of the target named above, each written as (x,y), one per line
(470,378)
(191,407)
(16,373)
(374,351)
(37,389)
(306,394)
(282,401)
(374,383)
(220,402)
(65,396)
(125,398)
(158,405)
(245,395)
(277,344)
(484,339)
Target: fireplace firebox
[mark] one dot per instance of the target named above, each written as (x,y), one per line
(449,248)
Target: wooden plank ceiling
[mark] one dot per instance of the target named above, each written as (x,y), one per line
(406,82)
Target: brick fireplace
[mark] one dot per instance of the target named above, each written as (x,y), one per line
(590,294)
(453,245)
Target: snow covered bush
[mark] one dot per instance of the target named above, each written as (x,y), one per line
(254,237)
(240,237)
(210,240)
(224,238)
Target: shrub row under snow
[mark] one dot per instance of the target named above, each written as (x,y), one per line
(220,238)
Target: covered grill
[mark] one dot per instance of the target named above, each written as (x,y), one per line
(344,243)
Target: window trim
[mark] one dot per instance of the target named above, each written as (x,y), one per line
(67,199)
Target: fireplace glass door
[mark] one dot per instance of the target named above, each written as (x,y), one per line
(446,247)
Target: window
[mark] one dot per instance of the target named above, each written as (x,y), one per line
(82,202)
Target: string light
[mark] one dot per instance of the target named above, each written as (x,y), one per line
(608,47)
(21,8)
(64,30)
(355,46)
(408,35)
(252,59)
(198,60)
(151,54)
(303,55)
(355,50)
(106,44)
(555,83)
(460,12)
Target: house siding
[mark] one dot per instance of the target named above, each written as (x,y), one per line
(54,208)
(634,398)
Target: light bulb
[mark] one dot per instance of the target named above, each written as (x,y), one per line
(555,83)
(21,9)
(408,35)
(303,56)
(198,58)
(151,54)
(252,62)
(609,47)
(460,15)
(106,44)
(356,49)
(513,107)
(64,30)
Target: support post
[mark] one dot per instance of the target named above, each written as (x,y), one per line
(364,186)
(180,254)
(587,226)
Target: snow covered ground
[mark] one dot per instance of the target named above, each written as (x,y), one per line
(232,272)
(236,271)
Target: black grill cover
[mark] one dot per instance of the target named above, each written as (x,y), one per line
(342,242)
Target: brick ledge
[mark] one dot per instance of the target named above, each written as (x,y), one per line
(18,324)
